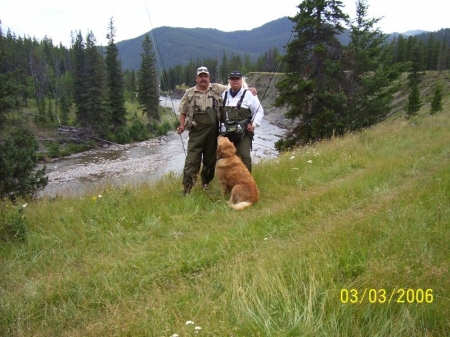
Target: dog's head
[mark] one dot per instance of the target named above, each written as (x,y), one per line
(225,148)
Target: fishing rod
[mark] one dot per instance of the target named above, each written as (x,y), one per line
(276,70)
(163,71)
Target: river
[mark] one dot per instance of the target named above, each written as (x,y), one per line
(136,163)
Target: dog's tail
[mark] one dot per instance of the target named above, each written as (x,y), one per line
(240,205)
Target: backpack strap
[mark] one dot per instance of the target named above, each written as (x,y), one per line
(242,98)
(225,98)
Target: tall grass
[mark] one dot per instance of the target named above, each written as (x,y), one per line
(368,211)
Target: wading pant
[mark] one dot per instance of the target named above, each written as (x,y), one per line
(243,148)
(202,143)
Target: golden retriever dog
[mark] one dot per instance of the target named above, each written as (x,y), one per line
(234,176)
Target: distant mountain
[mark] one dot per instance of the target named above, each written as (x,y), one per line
(177,46)
(442,36)
(406,34)
(414,32)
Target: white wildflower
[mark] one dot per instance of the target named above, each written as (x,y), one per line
(292,157)
(309,161)
(174,335)
(25,205)
(189,322)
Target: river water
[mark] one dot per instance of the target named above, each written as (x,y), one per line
(137,163)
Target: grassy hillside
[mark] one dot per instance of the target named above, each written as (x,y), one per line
(351,237)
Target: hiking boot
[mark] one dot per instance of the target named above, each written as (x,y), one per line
(205,186)
(187,189)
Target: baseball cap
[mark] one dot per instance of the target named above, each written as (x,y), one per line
(235,74)
(202,70)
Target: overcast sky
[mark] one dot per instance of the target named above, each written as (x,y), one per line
(132,18)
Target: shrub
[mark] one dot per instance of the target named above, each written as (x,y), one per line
(160,129)
(137,131)
(54,150)
(12,222)
(18,158)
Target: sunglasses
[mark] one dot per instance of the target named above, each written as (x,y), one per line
(235,74)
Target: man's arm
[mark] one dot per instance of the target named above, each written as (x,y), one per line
(182,109)
(180,128)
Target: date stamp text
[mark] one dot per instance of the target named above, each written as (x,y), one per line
(396,295)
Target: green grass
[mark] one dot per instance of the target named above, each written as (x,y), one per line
(368,211)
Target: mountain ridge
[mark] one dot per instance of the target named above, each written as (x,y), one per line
(178,46)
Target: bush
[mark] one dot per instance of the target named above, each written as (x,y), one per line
(160,129)
(137,131)
(54,150)
(18,159)
(12,222)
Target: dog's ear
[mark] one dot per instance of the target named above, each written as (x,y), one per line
(222,145)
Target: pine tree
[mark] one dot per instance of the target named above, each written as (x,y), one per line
(64,101)
(247,64)
(312,88)
(130,85)
(9,88)
(416,62)
(224,69)
(97,114)
(148,93)
(42,109)
(64,98)
(9,95)
(436,101)
(50,110)
(369,86)
(414,102)
(115,82)
(79,73)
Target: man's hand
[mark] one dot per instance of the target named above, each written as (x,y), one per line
(253,91)
(180,129)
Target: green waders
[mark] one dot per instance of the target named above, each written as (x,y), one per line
(202,142)
(243,149)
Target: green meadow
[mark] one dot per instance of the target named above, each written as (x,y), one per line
(351,237)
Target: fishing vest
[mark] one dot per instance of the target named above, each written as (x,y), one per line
(234,120)
(214,98)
